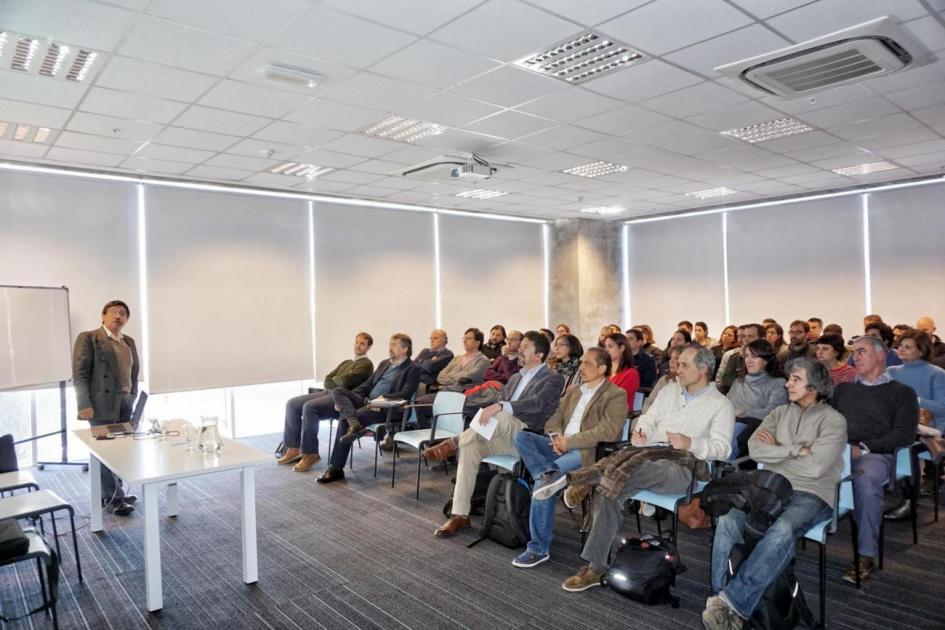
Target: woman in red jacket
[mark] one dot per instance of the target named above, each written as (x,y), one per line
(622,374)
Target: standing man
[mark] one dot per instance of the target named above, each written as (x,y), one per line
(105,378)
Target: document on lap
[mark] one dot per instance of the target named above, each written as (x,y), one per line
(487,430)
(384,402)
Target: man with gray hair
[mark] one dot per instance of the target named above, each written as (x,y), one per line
(672,441)
(881,416)
(803,441)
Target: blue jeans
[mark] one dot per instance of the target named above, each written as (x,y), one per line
(540,458)
(769,557)
(872,472)
(302,415)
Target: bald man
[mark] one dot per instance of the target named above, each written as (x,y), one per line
(927,324)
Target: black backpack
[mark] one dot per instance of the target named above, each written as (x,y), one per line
(782,607)
(505,517)
(478,501)
(644,569)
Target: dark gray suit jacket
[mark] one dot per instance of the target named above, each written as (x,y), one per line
(95,374)
(539,399)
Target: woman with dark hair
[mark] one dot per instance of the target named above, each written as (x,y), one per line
(566,359)
(680,339)
(830,348)
(928,381)
(759,391)
(727,340)
(623,374)
(700,334)
(774,333)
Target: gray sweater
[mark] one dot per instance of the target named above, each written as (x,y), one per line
(756,395)
(823,429)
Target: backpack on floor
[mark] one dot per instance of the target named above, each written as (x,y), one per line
(782,606)
(505,515)
(644,569)
(478,501)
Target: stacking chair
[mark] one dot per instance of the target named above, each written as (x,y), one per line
(936,467)
(905,472)
(447,423)
(36,504)
(506,462)
(40,550)
(17,480)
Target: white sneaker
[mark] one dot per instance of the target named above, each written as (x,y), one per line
(551,488)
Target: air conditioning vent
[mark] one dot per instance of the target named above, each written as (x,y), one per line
(858,53)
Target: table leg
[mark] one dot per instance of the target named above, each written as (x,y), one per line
(95,494)
(172,499)
(248,486)
(152,548)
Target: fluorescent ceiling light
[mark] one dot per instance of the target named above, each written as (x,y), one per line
(865,169)
(480,193)
(403,129)
(596,169)
(770,130)
(604,211)
(55,59)
(581,58)
(711,192)
(42,134)
(292,74)
(300,169)
(19,132)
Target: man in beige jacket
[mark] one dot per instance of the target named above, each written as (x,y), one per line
(589,413)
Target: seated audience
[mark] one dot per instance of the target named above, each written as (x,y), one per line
(680,339)
(881,416)
(604,331)
(733,365)
(872,319)
(927,324)
(816,329)
(507,363)
(667,380)
(685,325)
(798,333)
(727,341)
(461,373)
(884,333)
(562,329)
(700,334)
(396,378)
(302,413)
(493,347)
(622,372)
(898,329)
(648,346)
(697,423)
(775,336)
(549,335)
(589,413)
(829,350)
(565,359)
(755,394)
(528,400)
(834,329)
(433,359)
(644,363)
(804,442)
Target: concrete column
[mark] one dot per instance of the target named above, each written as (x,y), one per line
(585,276)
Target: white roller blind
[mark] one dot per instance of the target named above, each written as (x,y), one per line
(797,261)
(374,271)
(491,272)
(907,253)
(79,233)
(676,273)
(228,286)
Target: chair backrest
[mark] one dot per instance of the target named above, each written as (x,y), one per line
(904,464)
(448,410)
(8,461)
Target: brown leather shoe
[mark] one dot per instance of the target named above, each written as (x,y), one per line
(867,569)
(307,461)
(452,526)
(441,451)
(573,495)
(291,455)
(583,580)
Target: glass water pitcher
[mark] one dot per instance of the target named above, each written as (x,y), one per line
(209,434)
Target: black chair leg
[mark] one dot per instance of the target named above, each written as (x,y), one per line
(42,581)
(854,532)
(75,544)
(636,513)
(913,514)
(882,542)
(52,519)
(393,469)
(331,431)
(377,449)
(419,462)
(823,585)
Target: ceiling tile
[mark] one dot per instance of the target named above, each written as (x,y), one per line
(383,167)
(163,167)
(259,20)
(351,177)
(134,75)
(259,149)
(331,159)
(563,137)
(607,149)
(697,99)
(407,15)
(252,99)
(509,125)
(925,96)
(180,46)
(241,162)
(379,92)
(798,142)
(934,115)
(863,109)
(822,18)
(252,70)
(912,136)
(937,158)
(131,106)
(15,111)
(217,173)
(457,141)
(68,21)
(741,44)
(408,155)
(623,120)
(588,13)
(111,127)
(766,8)
(301,135)
(897,123)
(87,142)
(837,149)
(929,32)
(666,25)
(909,78)
(448,109)
(355,144)
(821,100)
(180,137)
(331,115)
(219,121)
(174,154)
(505,30)
(512,152)
(42,90)
(11,148)
(682,137)
(84,158)
(433,64)
(643,81)
(316,186)
(932,146)
(570,105)
(736,116)
(509,86)
(341,38)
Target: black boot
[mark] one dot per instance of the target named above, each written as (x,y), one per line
(901,512)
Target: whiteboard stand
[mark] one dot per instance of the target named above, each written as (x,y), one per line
(63,436)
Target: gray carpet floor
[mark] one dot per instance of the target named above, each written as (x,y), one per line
(359,554)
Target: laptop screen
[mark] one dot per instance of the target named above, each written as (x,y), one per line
(139,410)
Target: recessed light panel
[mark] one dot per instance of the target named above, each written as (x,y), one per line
(44,57)
(581,58)
(770,130)
(596,169)
(480,193)
(300,169)
(22,132)
(604,211)
(403,129)
(711,192)
(865,169)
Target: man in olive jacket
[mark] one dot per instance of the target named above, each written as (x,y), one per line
(105,378)
(592,412)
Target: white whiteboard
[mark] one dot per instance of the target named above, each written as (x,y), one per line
(35,336)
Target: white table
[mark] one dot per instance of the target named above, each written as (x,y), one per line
(163,461)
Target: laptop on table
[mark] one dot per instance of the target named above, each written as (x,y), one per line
(124,427)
